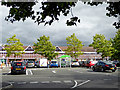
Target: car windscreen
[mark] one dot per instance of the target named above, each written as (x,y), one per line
(94,62)
(18,64)
(107,62)
(74,61)
(30,61)
(53,62)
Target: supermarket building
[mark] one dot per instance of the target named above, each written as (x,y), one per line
(88,53)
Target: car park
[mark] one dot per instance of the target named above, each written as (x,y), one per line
(103,66)
(18,67)
(75,64)
(30,64)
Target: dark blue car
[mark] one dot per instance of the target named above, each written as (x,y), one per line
(18,67)
(104,65)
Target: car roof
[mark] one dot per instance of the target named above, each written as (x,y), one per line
(105,61)
(18,61)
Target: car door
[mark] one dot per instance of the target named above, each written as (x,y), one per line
(101,65)
(97,65)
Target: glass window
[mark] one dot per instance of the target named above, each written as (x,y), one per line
(108,62)
(30,61)
(101,63)
(18,64)
(97,63)
(53,61)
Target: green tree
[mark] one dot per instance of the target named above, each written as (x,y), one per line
(14,46)
(74,46)
(23,10)
(116,46)
(45,48)
(102,45)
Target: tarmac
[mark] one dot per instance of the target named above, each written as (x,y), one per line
(5,85)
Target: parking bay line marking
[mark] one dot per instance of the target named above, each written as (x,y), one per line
(45,82)
(34,82)
(67,81)
(56,81)
(83,83)
(21,82)
(80,83)
(75,84)
(54,71)
(26,72)
(31,72)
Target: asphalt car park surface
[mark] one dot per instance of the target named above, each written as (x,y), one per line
(62,78)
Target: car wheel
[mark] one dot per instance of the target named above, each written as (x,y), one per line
(12,73)
(93,68)
(102,70)
(113,70)
(87,66)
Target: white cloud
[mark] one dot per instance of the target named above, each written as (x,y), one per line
(93,20)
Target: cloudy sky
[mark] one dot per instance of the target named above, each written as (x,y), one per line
(93,21)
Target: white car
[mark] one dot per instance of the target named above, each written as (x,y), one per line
(75,64)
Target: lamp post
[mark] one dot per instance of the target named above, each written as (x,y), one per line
(70,62)
(60,62)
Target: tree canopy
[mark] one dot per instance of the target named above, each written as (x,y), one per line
(102,45)
(23,10)
(74,46)
(116,45)
(14,46)
(45,47)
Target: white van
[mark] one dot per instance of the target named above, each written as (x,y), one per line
(41,63)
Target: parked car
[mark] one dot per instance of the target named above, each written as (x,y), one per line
(30,64)
(82,63)
(117,63)
(90,63)
(53,64)
(104,65)
(75,64)
(18,67)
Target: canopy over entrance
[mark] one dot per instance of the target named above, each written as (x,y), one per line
(65,62)
(64,56)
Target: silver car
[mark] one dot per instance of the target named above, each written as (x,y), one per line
(75,64)
(30,64)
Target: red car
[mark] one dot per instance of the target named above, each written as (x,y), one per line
(90,63)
